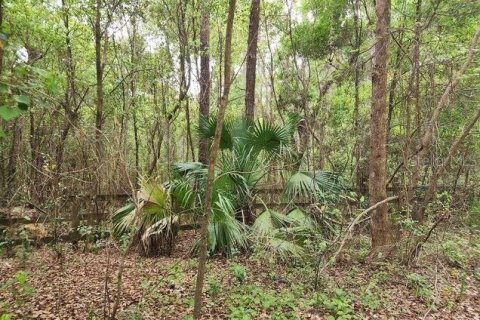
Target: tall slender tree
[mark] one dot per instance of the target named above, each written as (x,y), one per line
(99,76)
(207,205)
(204,102)
(381,226)
(251,72)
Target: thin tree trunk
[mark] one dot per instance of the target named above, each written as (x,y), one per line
(133,91)
(99,85)
(204,102)
(413,94)
(358,169)
(1,30)
(202,260)
(381,226)
(252,59)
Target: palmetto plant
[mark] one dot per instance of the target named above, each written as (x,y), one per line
(247,151)
(150,223)
(283,234)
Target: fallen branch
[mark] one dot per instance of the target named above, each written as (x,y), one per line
(350,229)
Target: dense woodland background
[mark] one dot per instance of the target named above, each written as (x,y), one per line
(340,104)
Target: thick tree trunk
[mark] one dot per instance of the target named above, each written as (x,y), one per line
(252,59)
(202,259)
(381,226)
(204,102)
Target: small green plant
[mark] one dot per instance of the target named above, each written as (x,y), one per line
(474,216)
(463,286)
(239,272)
(130,315)
(6,243)
(370,298)
(476,275)
(454,252)
(249,301)
(419,284)
(19,289)
(214,287)
(338,303)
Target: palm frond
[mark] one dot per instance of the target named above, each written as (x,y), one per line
(300,184)
(302,219)
(312,184)
(327,181)
(123,219)
(225,233)
(284,249)
(269,137)
(153,193)
(207,127)
(153,206)
(268,222)
(183,168)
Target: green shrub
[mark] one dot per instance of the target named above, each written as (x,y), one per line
(338,303)
(454,252)
(239,272)
(214,287)
(420,286)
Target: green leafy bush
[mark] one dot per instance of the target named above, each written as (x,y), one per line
(420,286)
(338,303)
(454,252)
(239,272)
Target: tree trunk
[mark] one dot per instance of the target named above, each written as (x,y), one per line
(252,59)
(204,102)
(202,259)
(413,94)
(1,30)
(99,85)
(381,227)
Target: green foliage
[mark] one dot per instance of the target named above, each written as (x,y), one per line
(474,215)
(454,251)
(10,113)
(313,184)
(420,286)
(338,303)
(239,272)
(317,36)
(19,288)
(153,207)
(370,298)
(249,301)
(214,287)
(283,235)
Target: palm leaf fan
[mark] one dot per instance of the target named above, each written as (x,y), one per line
(207,128)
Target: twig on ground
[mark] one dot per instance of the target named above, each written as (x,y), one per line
(349,230)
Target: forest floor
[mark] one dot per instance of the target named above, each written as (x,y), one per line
(444,284)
